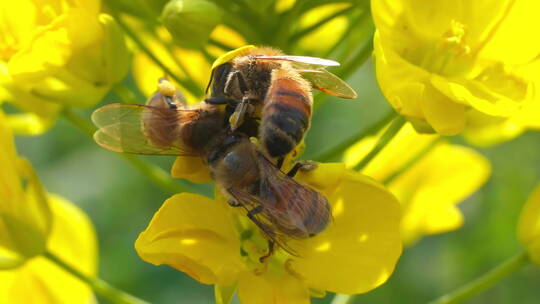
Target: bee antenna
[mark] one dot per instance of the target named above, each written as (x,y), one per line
(210,81)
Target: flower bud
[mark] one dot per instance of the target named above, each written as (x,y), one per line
(116,57)
(529,226)
(191,22)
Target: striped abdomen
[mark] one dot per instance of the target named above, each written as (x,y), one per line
(286,113)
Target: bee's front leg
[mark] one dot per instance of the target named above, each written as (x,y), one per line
(305,165)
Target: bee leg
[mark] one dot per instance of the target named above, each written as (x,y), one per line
(234,203)
(280,161)
(237,118)
(266,230)
(217,100)
(301,165)
(271,247)
(170,102)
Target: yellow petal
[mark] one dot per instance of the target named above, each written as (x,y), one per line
(403,95)
(429,189)
(484,130)
(362,242)
(28,124)
(191,168)
(193,234)
(42,282)
(443,114)
(528,229)
(484,98)
(25,218)
(271,288)
(411,22)
(511,38)
(437,61)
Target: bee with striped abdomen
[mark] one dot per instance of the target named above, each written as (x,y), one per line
(281,207)
(266,84)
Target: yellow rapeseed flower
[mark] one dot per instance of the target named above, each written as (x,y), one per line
(32,222)
(215,244)
(25,215)
(55,53)
(428,176)
(39,281)
(451,66)
(529,226)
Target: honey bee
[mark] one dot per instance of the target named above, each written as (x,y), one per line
(265,83)
(281,207)
(165,125)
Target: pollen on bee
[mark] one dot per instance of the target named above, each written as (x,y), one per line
(166,88)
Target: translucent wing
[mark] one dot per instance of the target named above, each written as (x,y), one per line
(266,226)
(300,211)
(326,82)
(141,129)
(302,59)
(290,210)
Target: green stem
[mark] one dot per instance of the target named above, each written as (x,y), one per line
(187,84)
(157,175)
(305,31)
(100,287)
(338,149)
(388,135)
(342,299)
(362,54)
(485,281)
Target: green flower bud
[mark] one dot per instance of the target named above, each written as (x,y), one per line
(190,22)
(116,57)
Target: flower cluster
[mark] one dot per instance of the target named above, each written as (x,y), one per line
(34,223)
(449,71)
(57,54)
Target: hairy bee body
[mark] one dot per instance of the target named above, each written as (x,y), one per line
(286,113)
(275,92)
(274,201)
(248,178)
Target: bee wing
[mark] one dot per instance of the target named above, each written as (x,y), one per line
(302,59)
(327,82)
(121,128)
(304,206)
(249,202)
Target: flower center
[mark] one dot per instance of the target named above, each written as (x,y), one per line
(450,55)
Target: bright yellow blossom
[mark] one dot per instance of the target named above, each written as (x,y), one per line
(32,222)
(452,66)
(428,176)
(25,215)
(529,226)
(39,281)
(55,53)
(215,244)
